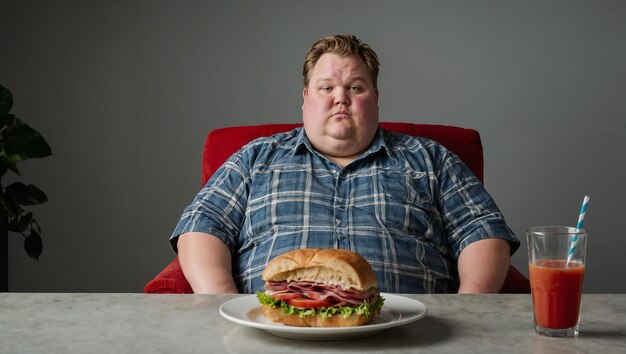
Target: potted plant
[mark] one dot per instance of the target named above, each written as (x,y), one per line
(18,142)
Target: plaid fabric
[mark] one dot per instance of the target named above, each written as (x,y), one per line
(407,205)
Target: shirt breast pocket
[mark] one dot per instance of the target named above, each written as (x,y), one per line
(278,198)
(407,202)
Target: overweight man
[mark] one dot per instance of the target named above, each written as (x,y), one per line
(409,206)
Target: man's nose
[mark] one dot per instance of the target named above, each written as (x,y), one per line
(342,97)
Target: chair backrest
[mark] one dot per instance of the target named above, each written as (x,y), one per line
(221,143)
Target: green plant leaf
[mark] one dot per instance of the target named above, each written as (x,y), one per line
(6,100)
(10,165)
(14,225)
(24,142)
(18,142)
(33,245)
(10,205)
(5,119)
(25,221)
(26,194)
(21,223)
(7,161)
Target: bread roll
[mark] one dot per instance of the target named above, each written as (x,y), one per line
(329,266)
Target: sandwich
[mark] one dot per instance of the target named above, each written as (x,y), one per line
(320,288)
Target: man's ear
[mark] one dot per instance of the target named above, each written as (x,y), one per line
(305,92)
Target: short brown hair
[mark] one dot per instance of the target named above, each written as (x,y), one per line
(344,45)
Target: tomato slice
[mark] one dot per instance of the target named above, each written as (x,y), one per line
(308,303)
(286,296)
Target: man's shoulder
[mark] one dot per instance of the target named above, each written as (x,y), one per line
(406,142)
(286,140)
(265,149)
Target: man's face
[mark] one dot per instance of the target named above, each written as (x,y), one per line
(340,109)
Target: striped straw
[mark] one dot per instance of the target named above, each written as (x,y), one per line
(579,225)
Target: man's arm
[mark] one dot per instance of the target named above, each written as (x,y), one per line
(483,266)
(206,263)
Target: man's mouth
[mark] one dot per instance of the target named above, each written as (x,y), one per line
(341,114)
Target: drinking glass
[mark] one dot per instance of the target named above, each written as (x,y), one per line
(556,264)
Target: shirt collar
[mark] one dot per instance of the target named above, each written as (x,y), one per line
(302,141)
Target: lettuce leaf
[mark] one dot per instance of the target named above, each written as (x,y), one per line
(364,309)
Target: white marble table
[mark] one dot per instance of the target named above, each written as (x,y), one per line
(139,323)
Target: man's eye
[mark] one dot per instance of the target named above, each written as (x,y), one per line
(356,89)
(325,89)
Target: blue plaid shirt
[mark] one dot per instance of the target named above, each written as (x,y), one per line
(407,205)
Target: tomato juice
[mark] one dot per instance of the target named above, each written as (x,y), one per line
(556,289)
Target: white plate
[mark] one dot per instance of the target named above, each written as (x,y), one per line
(397,310)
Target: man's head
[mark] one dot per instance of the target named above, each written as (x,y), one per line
(340,109)
(343,45)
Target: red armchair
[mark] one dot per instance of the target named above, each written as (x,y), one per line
(223,142)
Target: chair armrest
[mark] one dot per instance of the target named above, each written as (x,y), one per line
(171,280)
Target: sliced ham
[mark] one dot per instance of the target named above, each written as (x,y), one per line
(276,286)
(318,291)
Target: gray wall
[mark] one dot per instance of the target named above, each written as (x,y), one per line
(125,91)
